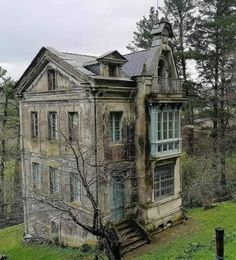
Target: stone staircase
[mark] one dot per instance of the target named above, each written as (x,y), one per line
(131,235)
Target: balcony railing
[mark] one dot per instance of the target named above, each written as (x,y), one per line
(167,85)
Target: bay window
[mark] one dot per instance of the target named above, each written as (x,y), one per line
(165,130)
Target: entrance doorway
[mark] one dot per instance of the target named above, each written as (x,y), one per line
(117,199)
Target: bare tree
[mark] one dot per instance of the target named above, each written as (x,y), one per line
(9,145)
(93,177)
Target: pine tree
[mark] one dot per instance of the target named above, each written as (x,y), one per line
(214,42)
(142,37)
(180,13)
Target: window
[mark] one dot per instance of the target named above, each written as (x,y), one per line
(73,121)
(115,126)
(55,230)
(34,124)
(37,181)
(75,187)
(163,181)
(165,130)
(54,184)
(52,81)
(112,70)
(52,125)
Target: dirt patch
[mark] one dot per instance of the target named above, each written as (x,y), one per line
(164,238)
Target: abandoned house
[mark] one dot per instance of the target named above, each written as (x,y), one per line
(120,108)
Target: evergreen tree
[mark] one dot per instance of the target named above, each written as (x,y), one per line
(142,37)
(180,13)
(214,42)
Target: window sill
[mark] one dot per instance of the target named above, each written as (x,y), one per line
(35,138)
(116,143)
(165,200)
(53,140)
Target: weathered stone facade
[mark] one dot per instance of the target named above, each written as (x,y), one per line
(128,107)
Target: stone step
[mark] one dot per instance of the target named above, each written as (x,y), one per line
(122,225)
(132,247)
(131,240)
(130,235)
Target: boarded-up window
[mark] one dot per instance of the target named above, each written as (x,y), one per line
(54,184)
(34,124)
(52,80)
(52,125)
(73,122)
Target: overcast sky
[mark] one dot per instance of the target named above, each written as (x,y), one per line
(80,26)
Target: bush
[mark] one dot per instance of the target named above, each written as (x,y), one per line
(201,181)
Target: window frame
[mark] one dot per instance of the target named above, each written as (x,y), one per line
(165,130)
(73,126)
(34,115)
(112,70)
(36,175)
(54,180)
(75,183)
(52,79)
(114,137)
(161,182)
(52,125)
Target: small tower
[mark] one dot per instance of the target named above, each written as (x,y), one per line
(162,33)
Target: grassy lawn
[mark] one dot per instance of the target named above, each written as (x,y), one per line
(196,244)
(11,245)
(200,244)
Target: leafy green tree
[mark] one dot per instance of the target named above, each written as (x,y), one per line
(142,37)
(214,42)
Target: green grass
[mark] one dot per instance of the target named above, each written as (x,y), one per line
(200,244)
(11,245)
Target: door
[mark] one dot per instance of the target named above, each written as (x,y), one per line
(117,199)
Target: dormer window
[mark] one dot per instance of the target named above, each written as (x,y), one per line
(52,82)
(110,64)
(112,70)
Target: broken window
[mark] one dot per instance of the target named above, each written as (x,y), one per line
(165,130)
(73,121)
(115,126)
(34,124)
(52,81)
(75,187)
(36,174)
(52,125)
(112,70)
(54,184)
(163,183)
